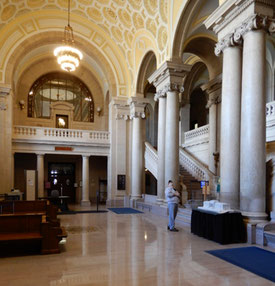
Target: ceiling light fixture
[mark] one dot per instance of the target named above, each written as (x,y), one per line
(67,56)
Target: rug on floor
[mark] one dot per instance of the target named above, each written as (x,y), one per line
(254,259)
(125,211)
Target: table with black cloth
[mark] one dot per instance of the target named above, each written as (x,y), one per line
(223,228)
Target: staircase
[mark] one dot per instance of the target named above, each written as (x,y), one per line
(193,188)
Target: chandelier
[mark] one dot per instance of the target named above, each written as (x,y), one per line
(68,57)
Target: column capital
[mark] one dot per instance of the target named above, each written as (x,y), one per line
(4,92)
(213,90)
(233,13)
(254,22)
(86,156)
(226,42)
(137,106)
(170,73)
(122,109)
(40,154)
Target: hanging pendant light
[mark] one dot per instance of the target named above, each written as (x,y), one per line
(67,56)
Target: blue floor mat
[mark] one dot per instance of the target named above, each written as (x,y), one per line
(253,259)
(124,211)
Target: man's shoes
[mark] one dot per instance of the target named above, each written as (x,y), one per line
(174,229)
(168,228)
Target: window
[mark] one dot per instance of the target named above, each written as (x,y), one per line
(55,87)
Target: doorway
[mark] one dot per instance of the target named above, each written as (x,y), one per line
(62,177)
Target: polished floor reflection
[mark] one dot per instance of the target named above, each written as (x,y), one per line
(126,250)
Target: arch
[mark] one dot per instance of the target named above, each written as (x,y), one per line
(191,36)
(147,67)
(38,28)
(60,87)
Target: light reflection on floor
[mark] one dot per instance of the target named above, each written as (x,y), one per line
(125,250)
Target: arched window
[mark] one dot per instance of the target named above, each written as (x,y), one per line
(55,87)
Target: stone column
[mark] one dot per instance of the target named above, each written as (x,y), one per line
(85,201)
(172,135)
(40,174)
(5,138)
(230,121)
(137,114)
(213,89)
(253,123)
(168,79)
(161,97)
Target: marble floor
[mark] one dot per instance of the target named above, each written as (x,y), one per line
(126,250)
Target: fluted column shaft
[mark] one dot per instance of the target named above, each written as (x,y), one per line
(253,125)
(137,168)
(161,148)
(85,181)
(40,175)
(230,126)
(172,138)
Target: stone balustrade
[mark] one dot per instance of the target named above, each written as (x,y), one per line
(194,167)
(270,121)
(197,135)
(41,134)
(151,159)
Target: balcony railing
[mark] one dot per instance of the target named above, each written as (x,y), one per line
(55,135)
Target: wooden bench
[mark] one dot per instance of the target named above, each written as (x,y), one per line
(45,207)
(42,217)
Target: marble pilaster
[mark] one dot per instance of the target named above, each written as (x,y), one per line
(85,201)
(40,174)
(5,138)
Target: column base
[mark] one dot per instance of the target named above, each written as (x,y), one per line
(85,203)
(254,217)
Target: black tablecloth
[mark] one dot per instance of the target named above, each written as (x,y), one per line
(222,228)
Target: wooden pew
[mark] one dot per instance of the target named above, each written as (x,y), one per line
(44,207)
(28,230)
(50,232)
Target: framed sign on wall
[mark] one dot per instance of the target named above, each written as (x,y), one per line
(121,182)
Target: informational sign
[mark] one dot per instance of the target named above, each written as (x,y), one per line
(121,182)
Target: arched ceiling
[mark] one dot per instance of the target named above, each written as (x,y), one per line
(119,19)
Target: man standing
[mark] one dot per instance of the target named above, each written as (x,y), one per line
(172,197)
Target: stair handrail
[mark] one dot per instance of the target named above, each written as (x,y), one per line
(197,169)
(151,159)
